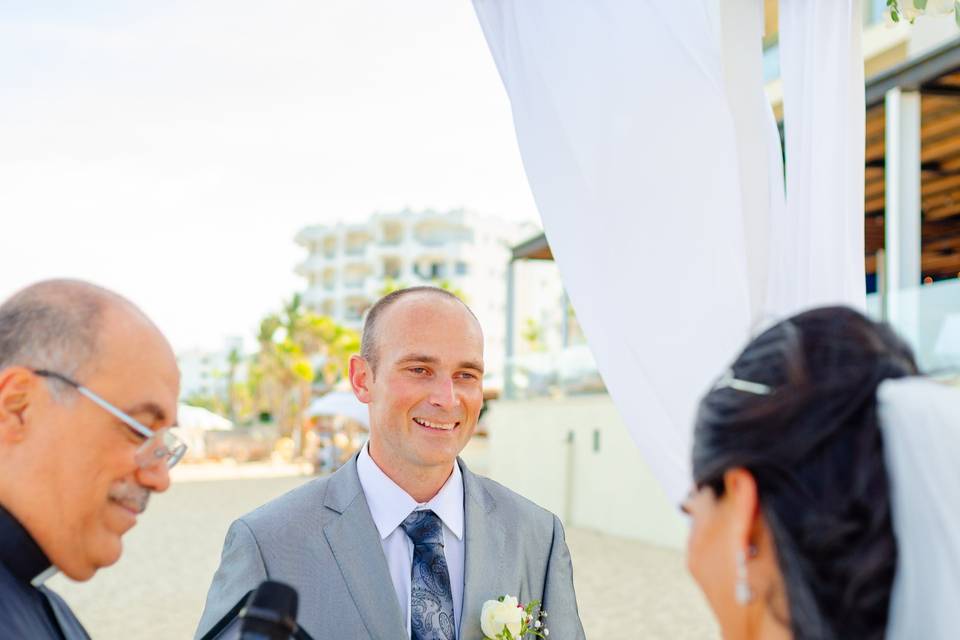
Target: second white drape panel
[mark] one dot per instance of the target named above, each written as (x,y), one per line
(630,151)
(822,235)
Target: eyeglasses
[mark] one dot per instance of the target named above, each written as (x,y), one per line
(159,447)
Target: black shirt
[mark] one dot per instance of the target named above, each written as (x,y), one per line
(26,611)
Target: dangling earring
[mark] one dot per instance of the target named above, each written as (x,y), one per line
(742,593)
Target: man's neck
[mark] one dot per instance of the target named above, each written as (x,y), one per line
(420,483)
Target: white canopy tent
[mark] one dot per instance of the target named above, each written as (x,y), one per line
(193,423)
(190,417)
(340,403)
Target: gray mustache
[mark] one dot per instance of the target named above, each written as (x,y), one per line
(130,495)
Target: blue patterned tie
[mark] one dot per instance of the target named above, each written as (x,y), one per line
(431,601)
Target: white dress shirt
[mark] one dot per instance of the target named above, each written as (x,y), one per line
(390,505)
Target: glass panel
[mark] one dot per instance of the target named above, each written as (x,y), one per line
(928,317)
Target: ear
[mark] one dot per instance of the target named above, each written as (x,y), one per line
(360,377)
(17,389)
(740,490)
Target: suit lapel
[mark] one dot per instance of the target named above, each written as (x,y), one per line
(357,548)
(484,545)
(69,625)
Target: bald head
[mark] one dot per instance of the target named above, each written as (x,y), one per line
(58,324)
(377,316)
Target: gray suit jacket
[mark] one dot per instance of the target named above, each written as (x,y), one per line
(320,538)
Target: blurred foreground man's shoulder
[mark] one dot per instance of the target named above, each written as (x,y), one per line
(404,541)
(88,390)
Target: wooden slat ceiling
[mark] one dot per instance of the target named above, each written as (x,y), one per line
(940,180)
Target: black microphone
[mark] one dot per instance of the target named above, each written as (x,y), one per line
(270,613)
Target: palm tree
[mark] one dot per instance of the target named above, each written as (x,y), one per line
(299,348)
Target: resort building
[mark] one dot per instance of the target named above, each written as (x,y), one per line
(349,266)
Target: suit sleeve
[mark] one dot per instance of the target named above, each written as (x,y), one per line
(241,569)
(559,597)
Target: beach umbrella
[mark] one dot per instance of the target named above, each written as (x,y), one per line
(340,403)
(190,417)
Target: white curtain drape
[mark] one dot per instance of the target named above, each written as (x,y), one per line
(821,64)
(653,158)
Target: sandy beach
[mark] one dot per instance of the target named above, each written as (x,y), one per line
(626,589)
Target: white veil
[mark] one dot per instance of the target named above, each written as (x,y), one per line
(920,420)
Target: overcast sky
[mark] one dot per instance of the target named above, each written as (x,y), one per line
(171,150)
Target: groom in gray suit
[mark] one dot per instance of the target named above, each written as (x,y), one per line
(404,541)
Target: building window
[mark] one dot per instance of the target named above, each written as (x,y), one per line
(330,246)
(430,270)
(392,234)
(392,268)
(461,269)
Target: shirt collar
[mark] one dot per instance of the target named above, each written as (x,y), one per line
(18,551)
(390,505)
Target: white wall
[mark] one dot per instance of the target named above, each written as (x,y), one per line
(609,489)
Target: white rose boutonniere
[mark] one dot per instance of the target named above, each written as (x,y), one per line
(506,619)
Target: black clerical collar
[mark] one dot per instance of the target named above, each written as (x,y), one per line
(18,551)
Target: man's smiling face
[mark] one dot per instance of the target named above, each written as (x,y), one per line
(426,392)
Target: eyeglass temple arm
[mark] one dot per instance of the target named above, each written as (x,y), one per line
(139,428)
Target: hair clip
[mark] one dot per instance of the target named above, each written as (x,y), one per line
(728,381)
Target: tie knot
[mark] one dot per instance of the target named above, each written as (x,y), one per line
(423,527)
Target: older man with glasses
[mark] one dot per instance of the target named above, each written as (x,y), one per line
(88,393)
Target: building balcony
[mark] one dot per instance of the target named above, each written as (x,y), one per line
(308,236)
(313,264)
(440,231)
(391,233)
(314,297)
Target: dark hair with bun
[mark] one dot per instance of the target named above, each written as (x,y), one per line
(814,447)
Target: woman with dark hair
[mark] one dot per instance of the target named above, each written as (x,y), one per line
(797,512)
